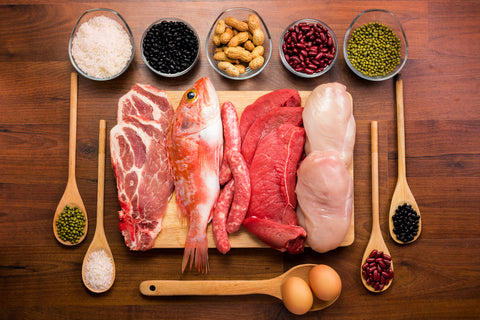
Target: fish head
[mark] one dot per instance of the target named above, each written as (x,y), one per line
(198,108)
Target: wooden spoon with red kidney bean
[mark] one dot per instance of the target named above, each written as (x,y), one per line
(376,270)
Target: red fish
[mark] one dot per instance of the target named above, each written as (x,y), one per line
(195,143)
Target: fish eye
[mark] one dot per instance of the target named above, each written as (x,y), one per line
(190,95)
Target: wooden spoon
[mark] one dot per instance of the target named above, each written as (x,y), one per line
(402,193)
(272,287)
(376,241)
(71,196)
(99,241)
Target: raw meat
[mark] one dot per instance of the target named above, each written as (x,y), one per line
(325,197)
(147,101)
(267,102)
(140,161)
(329,122)
(263,125)
(144,182)
(271,215)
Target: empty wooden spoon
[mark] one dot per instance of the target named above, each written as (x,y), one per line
(272,287)
(376,241)
(98,253)
(71,196)
(402,194)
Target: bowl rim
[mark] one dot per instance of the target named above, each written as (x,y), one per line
(345,54)
(129,32)
(170,75)
(300,74)
(266,58)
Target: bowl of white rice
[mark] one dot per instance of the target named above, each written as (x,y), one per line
(101,45)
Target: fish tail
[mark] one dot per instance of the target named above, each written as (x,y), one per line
(196,250)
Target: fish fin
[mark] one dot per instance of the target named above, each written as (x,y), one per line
(196,249)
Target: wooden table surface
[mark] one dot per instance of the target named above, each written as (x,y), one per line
(437,277)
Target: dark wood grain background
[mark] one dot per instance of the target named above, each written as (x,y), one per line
(438,277)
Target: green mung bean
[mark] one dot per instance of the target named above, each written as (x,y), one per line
(70,224)
(374,49)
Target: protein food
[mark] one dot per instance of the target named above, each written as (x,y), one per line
(101,47)
(234,199)
(296,295)
(308,47)
(377,270)
(195,144)
(271,215)
(98,270)
(238,45)
(329,122)
(265,103)
(70,224)
(140,161)
(325,199)
(170,46)
(324,187)
(405,223)
(325,282)
(374,49)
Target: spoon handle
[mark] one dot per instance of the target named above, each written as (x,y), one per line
(208,287)
(73,125)
(400,128)
(101,176)
(375,201)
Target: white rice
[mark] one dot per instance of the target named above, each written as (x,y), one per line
(98,270)
(101,47)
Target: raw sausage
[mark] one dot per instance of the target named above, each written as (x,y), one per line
(220,218)
(241,197)
(231,133)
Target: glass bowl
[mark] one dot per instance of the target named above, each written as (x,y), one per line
(318,63)
(166,74)
(387,19)
(240,14)
(80,65)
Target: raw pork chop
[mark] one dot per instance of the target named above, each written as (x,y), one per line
(329,122)
(147,101)
(271,215)
(325,196)
(140,161)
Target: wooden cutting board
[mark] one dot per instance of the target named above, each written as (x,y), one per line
(174,232)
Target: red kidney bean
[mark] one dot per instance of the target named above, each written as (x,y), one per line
(308,48)
(376,270)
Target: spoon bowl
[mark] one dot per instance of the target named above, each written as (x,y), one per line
(71,196)
(99,241)
(402,193)
(376,241)
(272,287)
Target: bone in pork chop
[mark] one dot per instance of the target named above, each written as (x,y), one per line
(140,161)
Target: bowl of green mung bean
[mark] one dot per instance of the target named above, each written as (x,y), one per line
(375,46)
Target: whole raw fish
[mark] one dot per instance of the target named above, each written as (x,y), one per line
(195,143)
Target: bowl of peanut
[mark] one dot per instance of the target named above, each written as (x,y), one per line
(238,44)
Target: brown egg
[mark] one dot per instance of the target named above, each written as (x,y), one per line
(297,296)
(325,282)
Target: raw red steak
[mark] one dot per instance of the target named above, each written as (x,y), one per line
(263,125)
(140,161)
(271,215)
(267,102)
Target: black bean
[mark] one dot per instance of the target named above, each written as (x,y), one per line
(170,46)
(405,223)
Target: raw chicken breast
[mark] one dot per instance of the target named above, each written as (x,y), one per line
(325,197)
(328,121)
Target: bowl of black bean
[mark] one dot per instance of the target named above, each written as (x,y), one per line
(375,47)
(170,47)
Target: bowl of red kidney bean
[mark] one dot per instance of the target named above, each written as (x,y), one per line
(170,47)
(308,48)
